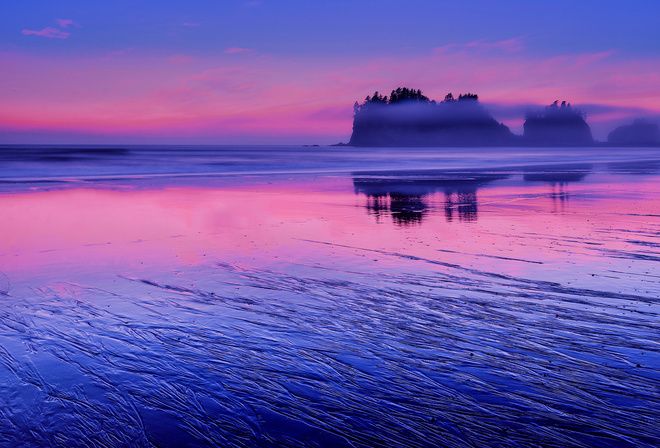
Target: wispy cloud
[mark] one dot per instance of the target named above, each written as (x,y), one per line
(190,24)
(54,33)
(65,23)
(239,50)
(510,46)
(272,96)
(48,32)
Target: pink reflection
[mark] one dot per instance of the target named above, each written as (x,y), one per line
(52,231)
(531,231)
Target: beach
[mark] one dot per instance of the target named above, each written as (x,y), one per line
(329,297)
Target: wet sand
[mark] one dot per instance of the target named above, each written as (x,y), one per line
(468,307)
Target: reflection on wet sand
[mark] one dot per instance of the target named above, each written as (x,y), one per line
(465,205)
(558,180)
(404,194)
(405,210)
(271,315)
(557,175)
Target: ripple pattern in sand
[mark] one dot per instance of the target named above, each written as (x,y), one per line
(304,355)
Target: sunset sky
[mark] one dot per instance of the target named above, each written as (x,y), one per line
(288,72)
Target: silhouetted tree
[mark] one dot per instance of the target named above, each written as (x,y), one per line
(468,96)
(423,122)
(405,94)
(557,125)
(377,98)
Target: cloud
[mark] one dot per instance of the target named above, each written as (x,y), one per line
(510,46)
(239,50)
(65,23)
(503,111)
(190,24)
(272,96)
(342,113)
(48,32)
(54,33)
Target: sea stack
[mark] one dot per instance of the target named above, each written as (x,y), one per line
(640,133)
(409,118)
(557,125)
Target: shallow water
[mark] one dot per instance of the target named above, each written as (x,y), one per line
(303,297)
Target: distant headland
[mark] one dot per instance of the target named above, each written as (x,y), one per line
(409,118)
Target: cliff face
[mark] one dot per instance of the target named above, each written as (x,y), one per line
(557,126)
(638,133)
(420,122)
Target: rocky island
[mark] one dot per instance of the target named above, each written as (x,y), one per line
(640,133)
(409,118)
(557,125)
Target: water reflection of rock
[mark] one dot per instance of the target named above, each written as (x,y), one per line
(404,194)
(558,178)
(405,210)
(464,206)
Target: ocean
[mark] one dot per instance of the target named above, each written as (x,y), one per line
(194,296)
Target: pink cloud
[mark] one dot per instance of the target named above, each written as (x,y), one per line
(48,32)
(215,98)
(65,23)
(190,24)
(237,50)
(510,46)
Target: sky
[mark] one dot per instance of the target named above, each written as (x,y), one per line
(289,71)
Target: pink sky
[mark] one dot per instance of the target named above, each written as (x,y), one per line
(244,96)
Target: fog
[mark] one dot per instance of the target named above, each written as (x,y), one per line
(463,122)
(602,118)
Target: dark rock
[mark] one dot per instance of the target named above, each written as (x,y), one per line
(640,133)
(411,119)
(557,126)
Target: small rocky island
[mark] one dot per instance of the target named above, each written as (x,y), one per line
(409,118)
(557,125)
(640,133)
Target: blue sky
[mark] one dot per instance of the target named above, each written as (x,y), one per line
(373,28)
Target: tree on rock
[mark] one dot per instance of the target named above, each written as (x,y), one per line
(557,125)
(410,118)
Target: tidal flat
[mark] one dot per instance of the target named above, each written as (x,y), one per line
(329,297)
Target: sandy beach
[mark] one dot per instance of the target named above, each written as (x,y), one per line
(358,300)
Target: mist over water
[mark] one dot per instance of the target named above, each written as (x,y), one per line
(306,297)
